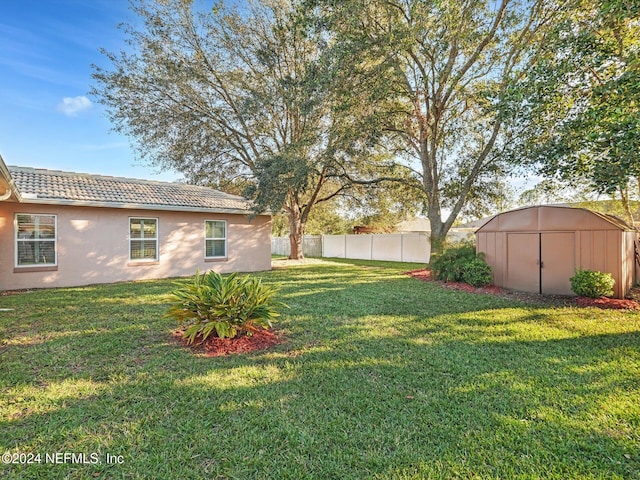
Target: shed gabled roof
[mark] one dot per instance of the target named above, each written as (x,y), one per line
(553,218)
(81,189)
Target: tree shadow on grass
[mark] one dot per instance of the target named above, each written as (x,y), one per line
(379,379)
(436,402)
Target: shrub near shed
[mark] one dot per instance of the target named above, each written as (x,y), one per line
(593,284)
(462,264)
(477,273)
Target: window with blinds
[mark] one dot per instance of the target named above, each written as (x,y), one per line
(36,240)
(143,239)
(215,239)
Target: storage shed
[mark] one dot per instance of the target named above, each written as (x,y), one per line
(538,249)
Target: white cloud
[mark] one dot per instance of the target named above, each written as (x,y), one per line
(72,106)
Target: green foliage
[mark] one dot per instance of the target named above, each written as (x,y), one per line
(478,273)
(247,97)
(434,76)
(611,207)
(383,207)
(589,283)
(279,225)
(223,305)
(450,264)
(325,219)
(461,264)
(578,109)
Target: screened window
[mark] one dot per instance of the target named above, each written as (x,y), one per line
(215,239)
(36,241)
(143,238)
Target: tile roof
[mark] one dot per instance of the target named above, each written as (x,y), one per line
(52,186)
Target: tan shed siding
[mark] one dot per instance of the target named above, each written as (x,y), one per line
(636,270)
(604,251)
(625,272)
(521,221)
(585,249)
(501,246)
(559,262)
(598,257)
(614,260)
(499,270)
(537,219)
(634,238)
(486,245)
(93,246)
(566,219)
(492,245)
(599,243)
(481,243)
(522,263)
(628,261)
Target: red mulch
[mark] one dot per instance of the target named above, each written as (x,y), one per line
(217,347)
(425,276)
(602,302)
(605,302)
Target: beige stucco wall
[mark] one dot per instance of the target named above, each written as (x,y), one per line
(93,246)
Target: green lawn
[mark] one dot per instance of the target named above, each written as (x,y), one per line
(382,376)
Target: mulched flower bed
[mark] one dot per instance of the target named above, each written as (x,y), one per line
(605,302)
(559,300)
(218,347)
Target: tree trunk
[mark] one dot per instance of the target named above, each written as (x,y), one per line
(296,235)
(624,196)
(438,234)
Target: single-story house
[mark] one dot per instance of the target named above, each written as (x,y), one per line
(60,229)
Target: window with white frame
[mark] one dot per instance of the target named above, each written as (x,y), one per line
(36,240)
(143,239)
(215,239)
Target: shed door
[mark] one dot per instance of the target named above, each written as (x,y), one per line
(558,262)
(540,262)
(523,262)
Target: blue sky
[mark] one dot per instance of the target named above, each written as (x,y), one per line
(47,118)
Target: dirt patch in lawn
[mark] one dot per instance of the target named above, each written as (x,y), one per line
(218,347)
(632,303)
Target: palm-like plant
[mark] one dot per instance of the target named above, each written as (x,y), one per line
(224,305)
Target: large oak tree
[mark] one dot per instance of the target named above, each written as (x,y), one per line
(241,95)
(437,74)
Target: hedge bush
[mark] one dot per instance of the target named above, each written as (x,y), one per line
(590,283)
(461,264)
(478,273)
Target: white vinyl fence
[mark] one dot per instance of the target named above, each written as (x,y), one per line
(311,246)
(395,247)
